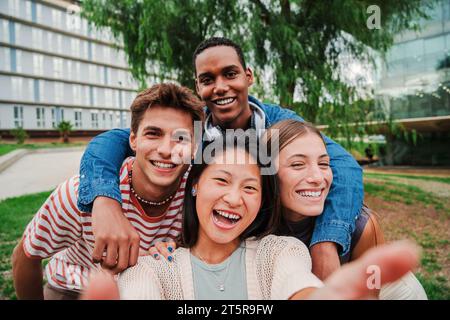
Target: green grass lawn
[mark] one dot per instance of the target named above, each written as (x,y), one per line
(15,213)
(435,246)
(414,177)
(5,147)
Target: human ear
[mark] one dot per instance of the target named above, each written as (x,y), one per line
(133,142)
(249,75)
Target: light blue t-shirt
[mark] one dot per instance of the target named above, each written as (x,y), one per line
(229,275)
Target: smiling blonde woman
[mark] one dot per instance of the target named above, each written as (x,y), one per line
(305,179)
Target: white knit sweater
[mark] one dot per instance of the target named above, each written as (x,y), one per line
(277,267)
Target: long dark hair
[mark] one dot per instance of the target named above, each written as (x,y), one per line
(267,219)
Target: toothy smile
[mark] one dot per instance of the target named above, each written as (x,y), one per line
(310,193)
(225,219)
(222,102)
(162,165)
(227,215)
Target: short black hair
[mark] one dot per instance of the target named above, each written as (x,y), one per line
(215,42)
(267,221)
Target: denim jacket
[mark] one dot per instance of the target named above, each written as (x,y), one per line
(101,162)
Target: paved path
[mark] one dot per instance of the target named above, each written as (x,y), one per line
(38,172)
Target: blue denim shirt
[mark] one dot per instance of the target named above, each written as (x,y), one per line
(101,162)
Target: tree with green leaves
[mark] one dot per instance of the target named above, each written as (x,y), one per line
(298,43)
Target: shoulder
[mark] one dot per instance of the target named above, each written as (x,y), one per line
(65,196)
(127,165)
(276,113)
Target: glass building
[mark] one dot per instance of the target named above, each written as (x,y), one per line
(415,89)
(54,66)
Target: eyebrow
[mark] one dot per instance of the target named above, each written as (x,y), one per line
(224,69)
(305,156)
(152,128)
(229,174)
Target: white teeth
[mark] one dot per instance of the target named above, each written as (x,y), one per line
(228,215)
(310,193)
(224,101)
(163,165)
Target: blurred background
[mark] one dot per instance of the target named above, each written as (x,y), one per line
(373,75)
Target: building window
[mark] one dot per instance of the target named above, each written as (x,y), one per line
(37,93)
(5,56)
(94,119)
(59,43)
(4,32)
(36,36)
(18,61)
(53,117)
(56,17)
(18,116)
(17,88)
(111,120)
(75,47)
(57,67)
(40,117)
(78,120)
(104,125)
(59,91)
(38,64)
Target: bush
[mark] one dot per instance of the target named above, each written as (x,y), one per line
(64,128)
(19,134)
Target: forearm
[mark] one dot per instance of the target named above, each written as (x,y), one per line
(100,166)
(325,259)
(27,275)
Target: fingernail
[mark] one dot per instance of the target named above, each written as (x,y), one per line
(170,249)
(170,258)
(156,255)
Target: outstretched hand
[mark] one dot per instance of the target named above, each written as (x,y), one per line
(102,286)
(358,279)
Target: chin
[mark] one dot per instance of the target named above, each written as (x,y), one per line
(222,238)
(309,211)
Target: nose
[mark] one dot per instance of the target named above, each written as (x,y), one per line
(233,197)
(221,86)
(315,175)
(165,147)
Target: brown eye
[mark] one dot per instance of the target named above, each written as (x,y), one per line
(206,81)
(297,165)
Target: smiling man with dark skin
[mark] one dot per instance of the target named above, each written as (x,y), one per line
(222,81)
(223,84)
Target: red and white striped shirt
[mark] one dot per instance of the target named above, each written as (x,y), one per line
(60,231)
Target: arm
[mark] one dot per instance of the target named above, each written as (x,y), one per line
(100,193)
(27,275)
(51,230)
(100,166)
